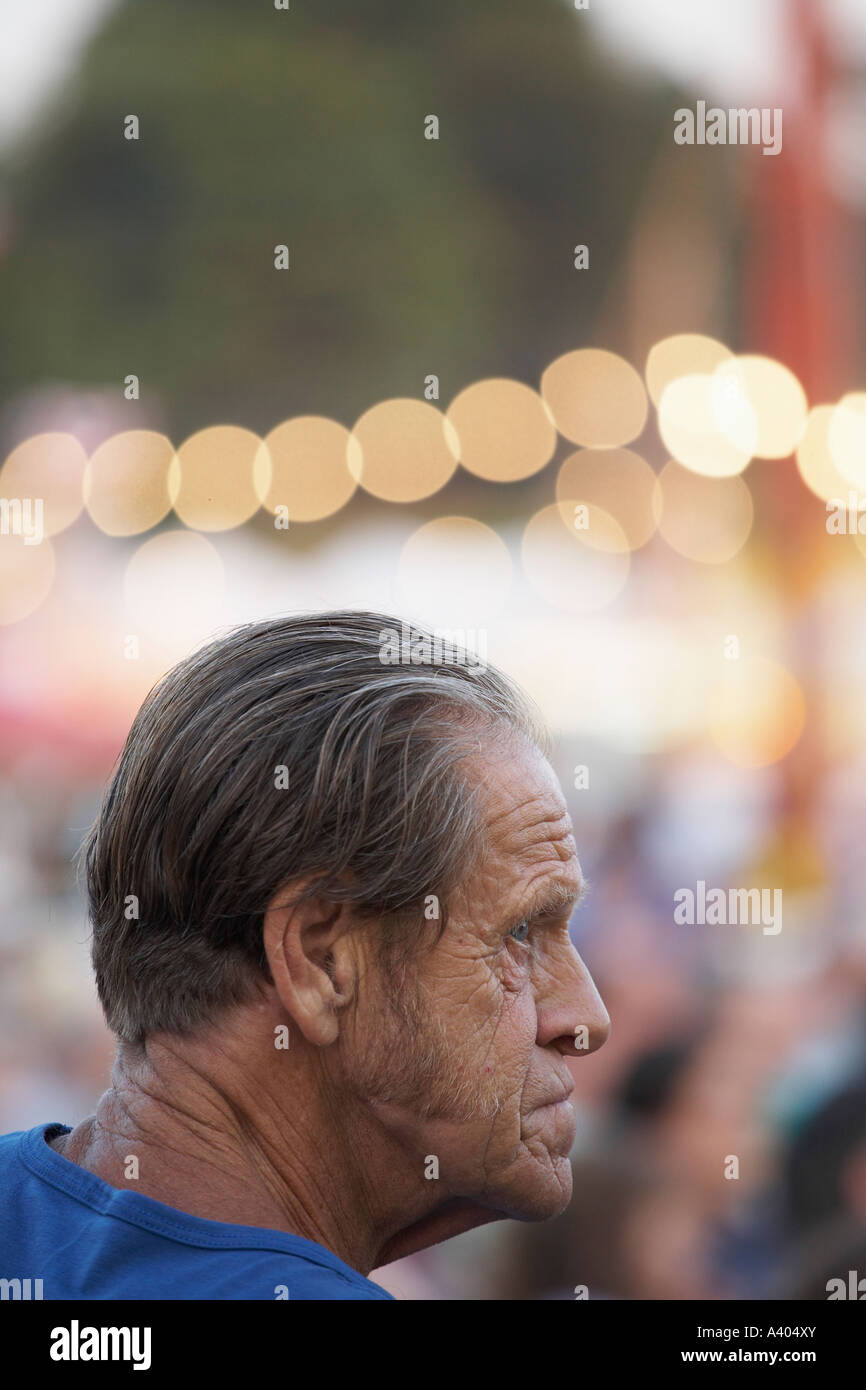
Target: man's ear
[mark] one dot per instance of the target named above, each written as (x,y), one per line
(314,963)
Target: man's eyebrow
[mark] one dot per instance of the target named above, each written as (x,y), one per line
(558,898)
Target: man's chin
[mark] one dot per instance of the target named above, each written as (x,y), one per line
(535,1185)
(542,1171)
(541,1187)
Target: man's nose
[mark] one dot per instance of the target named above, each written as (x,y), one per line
(571,1013)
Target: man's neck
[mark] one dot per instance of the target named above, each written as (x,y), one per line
(166,1130)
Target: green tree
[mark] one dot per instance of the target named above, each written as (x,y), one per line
(306,127)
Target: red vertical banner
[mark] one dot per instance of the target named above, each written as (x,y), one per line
(799,307)
(798,251)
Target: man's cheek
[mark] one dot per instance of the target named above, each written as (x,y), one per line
(495,1021)
(514,1043)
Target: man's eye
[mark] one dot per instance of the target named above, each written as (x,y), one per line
(520,932)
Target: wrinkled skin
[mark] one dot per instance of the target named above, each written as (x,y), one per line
(464,1058)
(506,1009)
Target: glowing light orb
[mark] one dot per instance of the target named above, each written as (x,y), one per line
(683,354)
(618,481)
(847,438)
(708,425)
(220,478)
(704,519)
(402,450)
(815,460)
(504,429)
(769,391)
(310,468)
(596,398)
(49,467)
(126,487)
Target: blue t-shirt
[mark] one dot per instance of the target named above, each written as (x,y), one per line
(85,1239)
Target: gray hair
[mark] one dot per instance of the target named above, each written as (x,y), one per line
(287,756)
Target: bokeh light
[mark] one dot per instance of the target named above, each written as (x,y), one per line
(219,477)
(815,459)
(575,570)
(618,481)
(173,588)
(596,398)
(847,438)
(402,450)
(126,487)
(504,428)
(704,519)
(683,354)
(768,390)
(26,576)
(708,425)
(757,712)
(51,467)
(310,469)
(454,572)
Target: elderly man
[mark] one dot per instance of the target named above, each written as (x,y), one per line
(330,899)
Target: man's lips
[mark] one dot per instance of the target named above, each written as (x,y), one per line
(561,1096)
(554,1121)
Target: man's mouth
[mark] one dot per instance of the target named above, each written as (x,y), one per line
(561,1097)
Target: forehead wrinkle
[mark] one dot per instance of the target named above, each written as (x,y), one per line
(551,841)
(546,877)
(539,870)
(516,831)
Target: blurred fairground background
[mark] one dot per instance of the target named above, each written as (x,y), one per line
(423,308)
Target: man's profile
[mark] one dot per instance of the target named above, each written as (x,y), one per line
(330,900)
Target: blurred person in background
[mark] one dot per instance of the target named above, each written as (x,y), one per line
(629,1233)
(823,1198)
